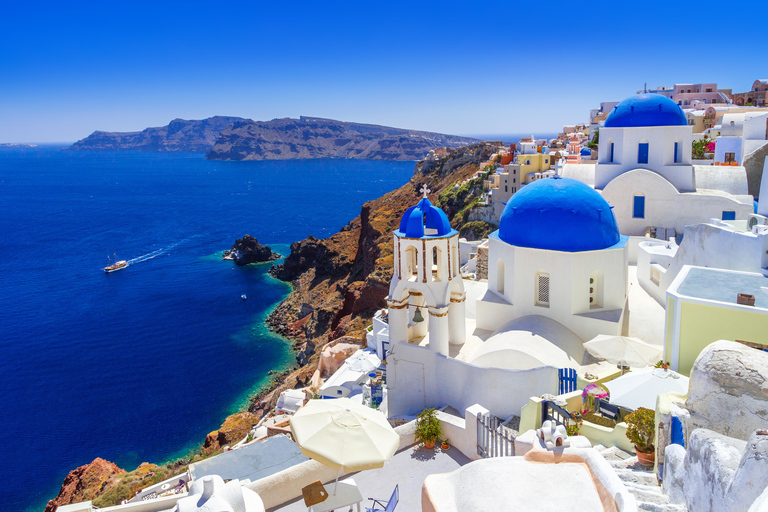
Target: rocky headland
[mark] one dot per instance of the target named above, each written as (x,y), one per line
(248,250)
(312,137)
(338,284)
(194,136)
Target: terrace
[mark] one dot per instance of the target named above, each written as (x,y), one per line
(407,469)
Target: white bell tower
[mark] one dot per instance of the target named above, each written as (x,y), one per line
(426,295)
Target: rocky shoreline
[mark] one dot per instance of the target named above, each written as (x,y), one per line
(338,284)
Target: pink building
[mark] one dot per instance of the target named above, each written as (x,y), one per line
(690,95)
(574,149)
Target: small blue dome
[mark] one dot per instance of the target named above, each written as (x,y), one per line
(417,219)
(646,110)
(559,214)
(586,152)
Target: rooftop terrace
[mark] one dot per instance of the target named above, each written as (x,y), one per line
(721,285)
(408,469)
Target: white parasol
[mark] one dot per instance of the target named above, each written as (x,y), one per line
(343,434)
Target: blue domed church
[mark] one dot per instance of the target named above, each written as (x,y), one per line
(557,277)
(646,172)
(426,294)
(557,254)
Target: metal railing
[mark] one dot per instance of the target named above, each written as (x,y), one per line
(492,440)
(550,411)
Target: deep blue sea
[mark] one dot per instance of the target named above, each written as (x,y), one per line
(139,365)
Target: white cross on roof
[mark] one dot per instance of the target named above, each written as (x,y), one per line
(424,190)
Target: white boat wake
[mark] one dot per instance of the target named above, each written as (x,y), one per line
(159,252)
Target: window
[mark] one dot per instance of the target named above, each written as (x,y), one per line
(611,157)
(595,290)
(655,276)
(500,276)
(411,263)
(709,89)
(506,188)
(638,211)
(677,153)
(642,153)
(730,157)
(437,264)
(729,215)
(542,289)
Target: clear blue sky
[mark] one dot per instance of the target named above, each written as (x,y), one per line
(69,68)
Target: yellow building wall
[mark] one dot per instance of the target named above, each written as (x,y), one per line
(701,325)
(670,332)
(538,162)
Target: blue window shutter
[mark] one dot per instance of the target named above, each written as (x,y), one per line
(642,153)
(611,160)
(676,158)
(729,215)
(639,209)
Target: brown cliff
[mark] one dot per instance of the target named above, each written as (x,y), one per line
(86,483)
(340,282)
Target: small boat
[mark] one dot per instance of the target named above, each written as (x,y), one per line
(243,297)
(114,267)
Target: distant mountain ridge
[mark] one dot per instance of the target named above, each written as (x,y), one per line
(312,137)
(196,136)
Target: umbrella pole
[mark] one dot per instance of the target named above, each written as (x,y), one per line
(337,481)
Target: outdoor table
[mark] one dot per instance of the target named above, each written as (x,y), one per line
(347,494)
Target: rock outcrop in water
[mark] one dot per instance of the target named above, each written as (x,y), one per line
(196,136)
(311,137)
(248,250)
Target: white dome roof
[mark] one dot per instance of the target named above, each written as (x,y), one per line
(530,342)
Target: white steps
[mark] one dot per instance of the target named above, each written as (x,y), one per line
(639,480)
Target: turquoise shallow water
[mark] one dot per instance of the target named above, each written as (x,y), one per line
(139,365)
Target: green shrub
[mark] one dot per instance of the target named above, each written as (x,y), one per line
(641,429)
(427,426)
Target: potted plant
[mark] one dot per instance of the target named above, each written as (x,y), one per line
(427,428)
(641,430)
(444,445)
(572,428)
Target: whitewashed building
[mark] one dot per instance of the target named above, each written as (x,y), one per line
(645,171)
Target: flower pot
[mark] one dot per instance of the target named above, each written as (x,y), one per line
(445,445)
(646,459)
(429,444)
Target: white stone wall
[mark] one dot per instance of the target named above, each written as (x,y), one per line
(661,158)
(725,144)
(703,245)
(716,473)
(729,380)
(664,205)
(569,276)
(418,378)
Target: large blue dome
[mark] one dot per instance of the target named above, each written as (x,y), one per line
(417,219)
(646,109)
(559,214)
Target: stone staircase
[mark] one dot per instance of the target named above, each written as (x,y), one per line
(641,482)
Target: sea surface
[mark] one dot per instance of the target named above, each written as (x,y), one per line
(140,364)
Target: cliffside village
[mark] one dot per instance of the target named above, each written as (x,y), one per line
(604,348)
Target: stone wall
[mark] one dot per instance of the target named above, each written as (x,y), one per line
(482,262)
(728,380)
